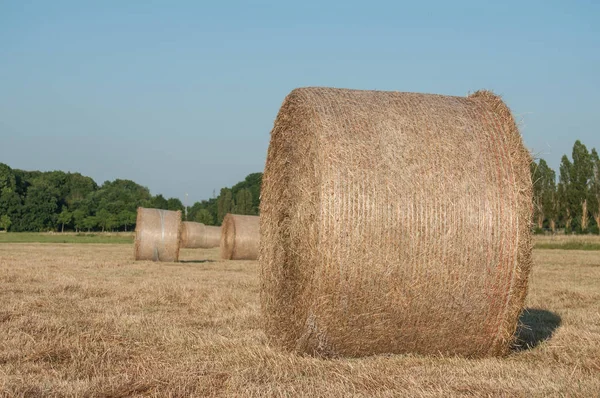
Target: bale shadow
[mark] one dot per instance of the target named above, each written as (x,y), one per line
(196,261)
(535,326)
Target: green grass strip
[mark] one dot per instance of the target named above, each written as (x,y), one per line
(568,246)
(33,237)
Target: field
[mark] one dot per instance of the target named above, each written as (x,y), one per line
(85,320)
(559,241)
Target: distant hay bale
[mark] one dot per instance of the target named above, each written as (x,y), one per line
(157,235)
(240,237)
(394,223)
(195,235)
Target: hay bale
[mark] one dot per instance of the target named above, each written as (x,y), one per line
(195,235)
(394,223)
(157,235)
(240,237)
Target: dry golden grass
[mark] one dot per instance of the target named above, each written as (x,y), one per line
(85,320)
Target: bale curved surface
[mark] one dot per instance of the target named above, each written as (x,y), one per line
(195,235)
(212,236)
(157,235)
(394,223)
(240,237)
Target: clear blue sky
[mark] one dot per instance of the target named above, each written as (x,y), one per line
(180,96)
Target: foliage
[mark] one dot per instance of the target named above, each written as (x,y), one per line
(5,222)
(544,193)
(55,200)
(204,216)
(573,204)
(243,202)
(64,217)
(58,201)
(242,198)
(594,193)
(224,204)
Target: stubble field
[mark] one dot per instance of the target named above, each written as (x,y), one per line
(85,320)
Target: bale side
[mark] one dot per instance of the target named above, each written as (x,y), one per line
(157,235)
(240,237)
(394,223)
(199,236)
(212,236)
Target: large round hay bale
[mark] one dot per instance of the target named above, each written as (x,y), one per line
(157,235)
(195,235)
(240,237)
(394,223)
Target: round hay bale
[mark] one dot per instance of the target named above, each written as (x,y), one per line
(157,235)
(394,223)
(240,237)
(195,235)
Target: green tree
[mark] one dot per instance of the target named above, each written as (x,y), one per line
(581,176)
(203,216)
(113,222)
(103,218)
(175,204)
(8,181)
(126,219)
(252,182)
(64,217)
(544,194)
(40,207)
(536,179)
(207,207)
(224,204)
(159,202)
(90,222)
(594,194)
(79,216)
(193,210)
(10,199)
(5,222)
(243,202)
(11,205)
(565,194)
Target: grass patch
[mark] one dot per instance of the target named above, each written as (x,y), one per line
(37,237)
(575,245)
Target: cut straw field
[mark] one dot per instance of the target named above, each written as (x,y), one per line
(86,320)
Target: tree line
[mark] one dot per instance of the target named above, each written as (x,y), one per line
(58,201)
(571,203)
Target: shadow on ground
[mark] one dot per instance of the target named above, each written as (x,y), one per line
(535,326)
(196,261)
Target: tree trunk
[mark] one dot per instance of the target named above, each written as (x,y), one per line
(540,221)
(62,228)
(553,225)
(584,216)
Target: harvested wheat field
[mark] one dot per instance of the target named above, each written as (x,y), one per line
(86,320)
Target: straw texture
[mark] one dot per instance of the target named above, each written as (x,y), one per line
(394,223)
(240,237)
(157,235)
(195,235)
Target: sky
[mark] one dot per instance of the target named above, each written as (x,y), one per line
(180,96)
